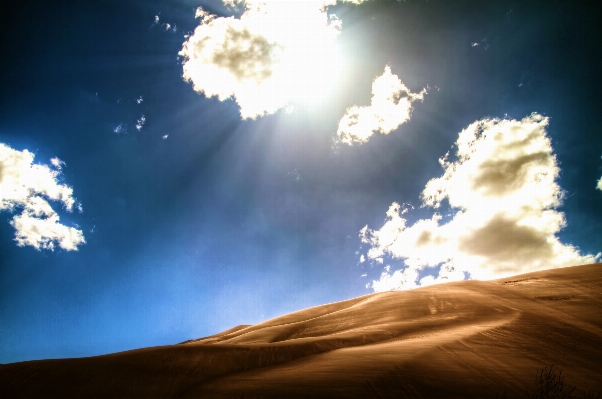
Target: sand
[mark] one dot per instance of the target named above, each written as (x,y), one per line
(469,339)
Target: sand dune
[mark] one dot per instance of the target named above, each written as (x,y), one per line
(467,339)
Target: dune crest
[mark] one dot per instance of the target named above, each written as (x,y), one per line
(464,339)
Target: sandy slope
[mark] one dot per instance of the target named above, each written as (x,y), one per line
(468,339)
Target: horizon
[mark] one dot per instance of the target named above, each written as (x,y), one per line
(169,170)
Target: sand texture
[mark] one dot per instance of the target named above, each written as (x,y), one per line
(468,339)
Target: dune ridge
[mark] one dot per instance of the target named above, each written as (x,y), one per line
(463,339)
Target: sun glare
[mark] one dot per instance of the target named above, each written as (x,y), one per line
(277,54)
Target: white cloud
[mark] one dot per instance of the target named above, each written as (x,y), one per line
(391,105)
(120,129)
(504,194)
(599,185)
(387,282)
(276,53)
(25,185)
(57,163)
(140,122)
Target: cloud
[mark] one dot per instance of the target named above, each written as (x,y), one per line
(599,185)
(387,282)
(57,163)
(503,192)
(120,129)
(140,122)
(391,105)
(28,186)
(276,53)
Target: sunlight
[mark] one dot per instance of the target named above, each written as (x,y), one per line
(276,54)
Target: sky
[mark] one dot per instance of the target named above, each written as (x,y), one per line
(171,169)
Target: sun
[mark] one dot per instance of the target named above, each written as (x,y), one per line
(277,54)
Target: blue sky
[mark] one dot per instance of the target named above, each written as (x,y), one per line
(199,215)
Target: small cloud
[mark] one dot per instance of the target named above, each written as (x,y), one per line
(165,136)
(156,20)
(57,163)
(391,106)
(362,258)
(139,100)
(120,129)
(474,44)
(520,84)
(364,275)
(29,186)
(140,122)
(599,185)
(168,27)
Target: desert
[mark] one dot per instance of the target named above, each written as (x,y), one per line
(468,339)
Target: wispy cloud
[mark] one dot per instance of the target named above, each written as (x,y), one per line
(57,163)
(391,105)
(140,122)
(503,194)
(277,52)
(120,129)
(28,186)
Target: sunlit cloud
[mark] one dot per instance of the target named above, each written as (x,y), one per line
(391,106)
(29,187)
(599,185)
(387,282)
(277,53)
(504,197)
(57,163)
